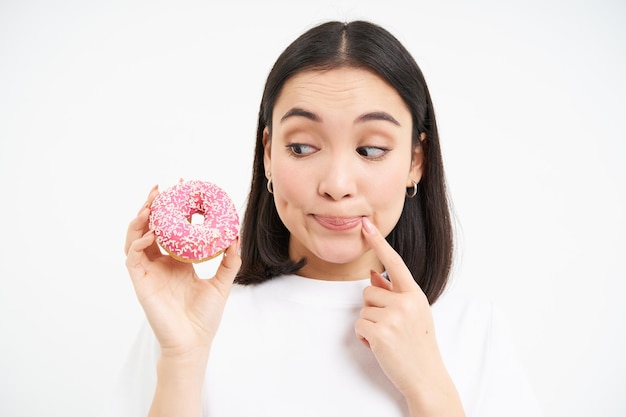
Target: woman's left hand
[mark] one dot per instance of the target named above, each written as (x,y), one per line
(397,325)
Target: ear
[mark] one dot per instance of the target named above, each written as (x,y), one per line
(417,162)
(267,146)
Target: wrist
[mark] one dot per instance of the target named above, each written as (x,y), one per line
(187,362)
(441,398)
(184,367)
(180,379)
(182,372)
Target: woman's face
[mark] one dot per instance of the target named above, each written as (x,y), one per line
(340,149)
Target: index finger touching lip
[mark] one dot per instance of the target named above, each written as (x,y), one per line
(399,273)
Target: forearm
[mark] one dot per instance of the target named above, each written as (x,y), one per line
(179,387)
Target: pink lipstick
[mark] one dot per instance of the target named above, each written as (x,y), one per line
(338,223)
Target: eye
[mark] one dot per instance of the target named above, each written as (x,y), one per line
(372,152)
(300,149)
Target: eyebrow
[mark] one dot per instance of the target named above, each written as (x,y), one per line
(297,111)
(365,117)
(377,115)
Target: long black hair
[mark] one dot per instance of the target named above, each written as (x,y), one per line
(423,234)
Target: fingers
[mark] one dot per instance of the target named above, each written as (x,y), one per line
(137,228)
(136,258)
(377,300)
(376,296)
(375,326)
(364,329)
(399,274)
(379,281)
(139,225)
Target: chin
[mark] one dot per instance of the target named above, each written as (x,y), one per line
(340,254)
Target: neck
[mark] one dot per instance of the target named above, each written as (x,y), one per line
(359,269)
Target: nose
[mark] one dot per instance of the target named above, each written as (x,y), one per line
(338,179)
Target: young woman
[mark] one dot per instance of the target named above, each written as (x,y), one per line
(346,246)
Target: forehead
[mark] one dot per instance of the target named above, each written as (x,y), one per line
(343,89)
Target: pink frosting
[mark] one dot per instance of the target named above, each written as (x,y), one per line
(170,218)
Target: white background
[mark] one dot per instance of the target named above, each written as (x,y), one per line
(99,101)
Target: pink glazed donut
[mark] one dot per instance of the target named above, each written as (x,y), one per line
(171,219)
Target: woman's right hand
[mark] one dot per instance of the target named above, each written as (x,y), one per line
(183,310)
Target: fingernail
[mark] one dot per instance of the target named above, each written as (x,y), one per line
(368,226)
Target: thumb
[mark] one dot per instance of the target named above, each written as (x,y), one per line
(228,268)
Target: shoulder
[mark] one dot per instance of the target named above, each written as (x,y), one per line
(455,313)
(472,330)
(477,344)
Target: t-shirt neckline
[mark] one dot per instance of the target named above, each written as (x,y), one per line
(313,291)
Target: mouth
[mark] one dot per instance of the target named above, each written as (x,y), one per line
(338,223)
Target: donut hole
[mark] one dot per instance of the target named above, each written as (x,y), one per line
(196,218)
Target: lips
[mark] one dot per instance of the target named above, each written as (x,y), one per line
(338,223)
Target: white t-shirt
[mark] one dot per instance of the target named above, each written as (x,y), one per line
(287,348)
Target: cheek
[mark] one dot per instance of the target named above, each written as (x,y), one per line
(290,188)
(388,185)
(387,200)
